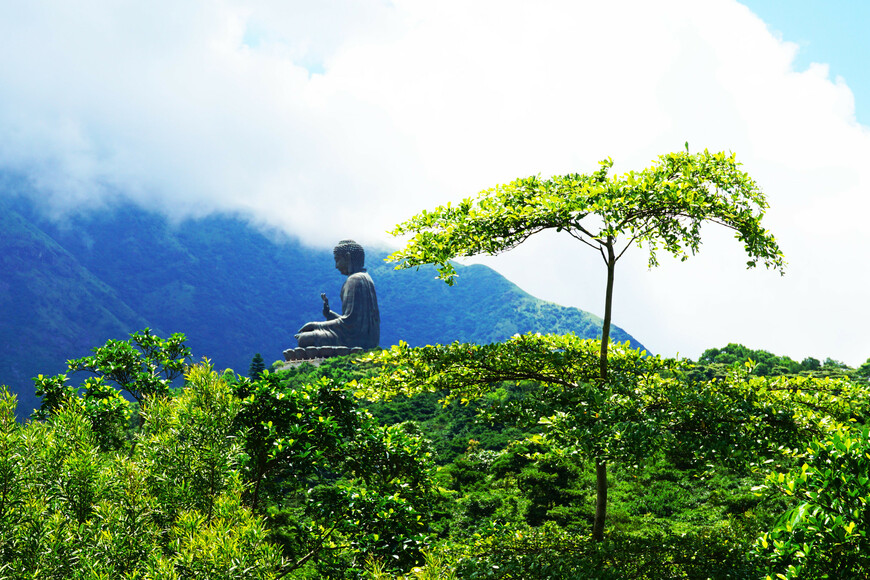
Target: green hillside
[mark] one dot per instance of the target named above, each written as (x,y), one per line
(50,305)
(68,286)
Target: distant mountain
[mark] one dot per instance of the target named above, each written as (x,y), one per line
(68,287)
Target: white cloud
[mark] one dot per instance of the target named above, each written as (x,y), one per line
(337,119)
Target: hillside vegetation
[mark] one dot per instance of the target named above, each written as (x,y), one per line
(293,475)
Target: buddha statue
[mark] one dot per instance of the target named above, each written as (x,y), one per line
(359,324)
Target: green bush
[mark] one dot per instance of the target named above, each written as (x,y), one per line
(827,535)
(170,507)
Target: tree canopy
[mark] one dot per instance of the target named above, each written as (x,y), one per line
(661,207)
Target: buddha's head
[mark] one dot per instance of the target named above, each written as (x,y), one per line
(350,257)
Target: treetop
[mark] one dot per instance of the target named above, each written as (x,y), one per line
(660,207)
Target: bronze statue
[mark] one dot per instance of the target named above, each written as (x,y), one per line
(359,324)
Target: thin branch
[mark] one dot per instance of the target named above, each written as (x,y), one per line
(584,240)
(301,562)
(649,213)
(627,245)
(497,376)
(585,231)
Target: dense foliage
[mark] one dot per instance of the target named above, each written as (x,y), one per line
(227,477)
(334,484)
(826,534)
(651,412)
(718,362)
(660,207)
(170,506)
(474,462)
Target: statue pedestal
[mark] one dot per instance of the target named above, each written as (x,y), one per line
(316,354)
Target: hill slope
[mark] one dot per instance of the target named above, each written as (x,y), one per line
(67,287)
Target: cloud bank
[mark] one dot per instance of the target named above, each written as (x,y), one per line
(338,119)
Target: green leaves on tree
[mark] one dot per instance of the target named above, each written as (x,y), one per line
(660,208)
(141,366)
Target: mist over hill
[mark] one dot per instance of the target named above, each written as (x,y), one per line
(67,286)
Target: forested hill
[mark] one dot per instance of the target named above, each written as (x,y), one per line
(68,287)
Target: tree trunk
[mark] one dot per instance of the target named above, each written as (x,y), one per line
(608,308)
(600,500)
(601,466)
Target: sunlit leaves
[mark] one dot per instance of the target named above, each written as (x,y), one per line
(661,207)
(169,507)
(647,403)
(466,370)
(143,365)
(827,534)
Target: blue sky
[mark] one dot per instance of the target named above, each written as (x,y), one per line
(833,32)
(339,118)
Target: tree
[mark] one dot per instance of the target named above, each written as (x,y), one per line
(105,407)
(257,367)
(661,207)
(223,479)
(811,364)
(143,365)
